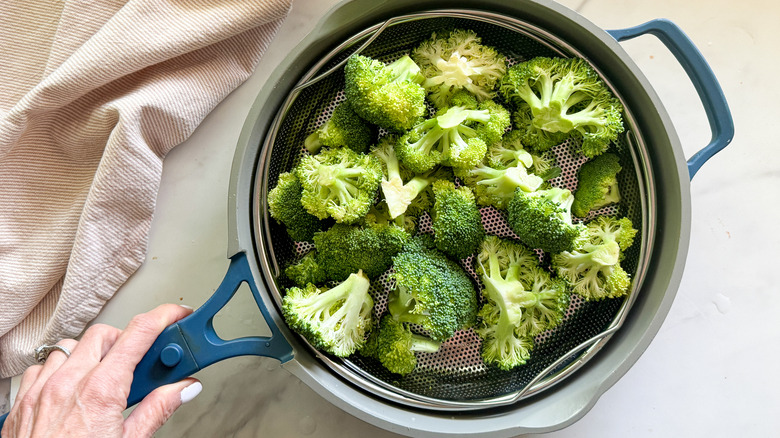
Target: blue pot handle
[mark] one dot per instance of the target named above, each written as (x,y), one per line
(192,344)
(700,73)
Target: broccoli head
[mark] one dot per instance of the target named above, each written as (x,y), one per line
(343,129)
(284,205)
(560,95)
(521,301)
(505,169)
(594,271)
(401,187)
(457,137)
(455,219)
(510,152)
(393,344)
(431,290)
(334,320)
(344,249)
(597,184)
(542,219)
(457,60)
(339,183)
(389,96)
(306,270)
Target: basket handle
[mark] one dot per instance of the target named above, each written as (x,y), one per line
(700,73)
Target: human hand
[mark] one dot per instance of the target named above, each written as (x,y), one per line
(85,394)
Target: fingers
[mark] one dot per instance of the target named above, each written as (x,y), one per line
(157,407)
(33,381)
(36,376)
(133,343)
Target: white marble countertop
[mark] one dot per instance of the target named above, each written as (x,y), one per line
(710,371)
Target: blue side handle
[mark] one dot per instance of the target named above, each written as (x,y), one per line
(192,344)
(700,73)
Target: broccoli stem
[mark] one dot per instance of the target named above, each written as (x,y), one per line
(313,143)
(424,344)
(405,69)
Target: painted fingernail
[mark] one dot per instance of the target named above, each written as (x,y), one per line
(190,392)
(186,306)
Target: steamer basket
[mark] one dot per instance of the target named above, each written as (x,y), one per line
(455,377)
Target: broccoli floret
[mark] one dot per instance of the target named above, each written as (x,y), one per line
(505,169)
(333,320)
(519,302)
(284,205)
(379,214)
(542,219)
(431,290)
(455,220)
(306,270)
(399,186)
(339,183)
(394,345)
(343,249)
(536,139)
(597,184)
(510,152)
(516,284)
(389,96)
(558,95)
(343,129)
(457,137)
(457,60)
(496,187)
(594,271)
(546,302)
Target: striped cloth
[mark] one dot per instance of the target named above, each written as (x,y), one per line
(93,95)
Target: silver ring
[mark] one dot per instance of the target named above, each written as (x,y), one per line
(42,352)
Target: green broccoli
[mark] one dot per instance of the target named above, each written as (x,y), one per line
(284,205)
(533,300)
(431,290)
(339,183)
(457,60)
(457,137)
(597,184)
(306,270)
(542,219)
(379,214)
(496,187)
(343,249)
(538,140)
(594,271)
(394,345)
(520,302)
(334,320)
(505,169)
(455,220)
(399,186)
(343,129)
(389,96)
(547,299)
(558,95)
(510,152)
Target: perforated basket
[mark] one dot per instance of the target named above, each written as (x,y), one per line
(455,377)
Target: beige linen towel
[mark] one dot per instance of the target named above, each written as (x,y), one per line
(93,95)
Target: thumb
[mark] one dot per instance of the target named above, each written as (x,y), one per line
(157,407)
